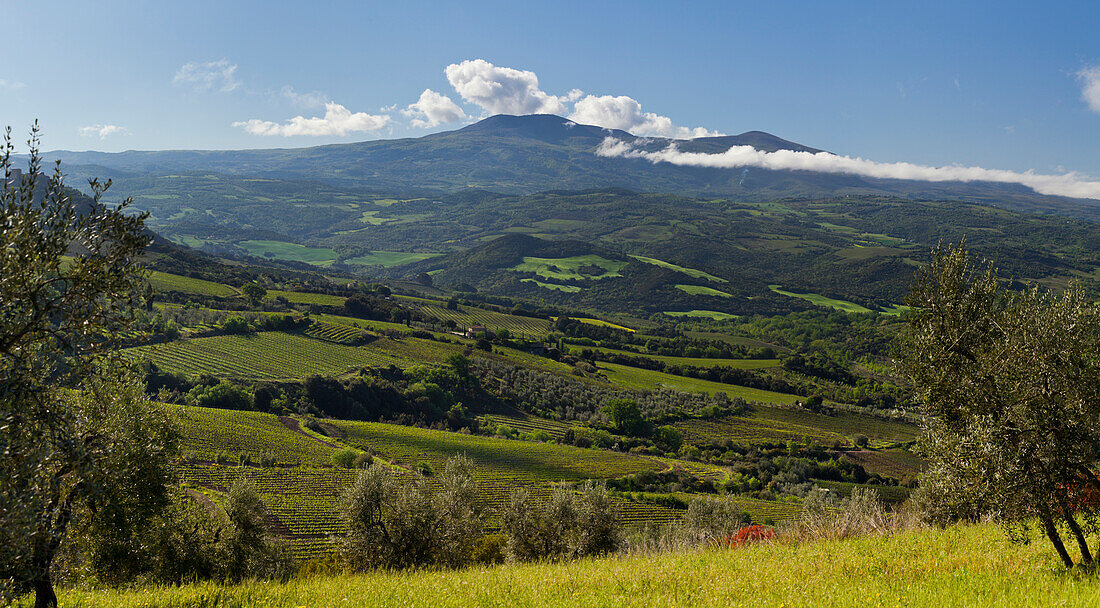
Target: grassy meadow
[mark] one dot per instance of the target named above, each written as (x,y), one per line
(957,566)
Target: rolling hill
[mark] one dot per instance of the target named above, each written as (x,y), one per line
(524,154)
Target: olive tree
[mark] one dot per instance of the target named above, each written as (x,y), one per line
(401,524)
(70,282)
(1010,386)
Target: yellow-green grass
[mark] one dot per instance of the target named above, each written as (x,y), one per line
(469,316)
(633,377)
(554,286)
(691,272)
(564,269)
(319,256)
(960,566)
(299,297)
(691,361)
(699,290)
(389,258)
(819,300)
(701,314)
(205,432)
(498,460)
(763,424)
(165,282)
(267,355)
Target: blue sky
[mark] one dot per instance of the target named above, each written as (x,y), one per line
(997,85)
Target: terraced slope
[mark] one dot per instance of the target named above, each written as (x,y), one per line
(262,356)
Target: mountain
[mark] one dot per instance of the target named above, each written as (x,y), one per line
(526,154)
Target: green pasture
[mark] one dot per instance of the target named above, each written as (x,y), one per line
(690,361)
(822,301)
(565,269)
(281,250)
(554,286)
(699,290)
(702,314)
(389,258)
(691,272)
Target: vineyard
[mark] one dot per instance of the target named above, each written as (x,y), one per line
(265,356)
(298,297)
(166,283)
(772,425)
(898,464)
(644,379)
(686,361)
(332,332)
(528,424)
(470,316)
(496,459)
(207,432)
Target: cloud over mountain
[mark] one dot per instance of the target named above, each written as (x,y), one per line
(1069,184)
(626,114)
(103,131)
(500,90)
(433,109)
(338,121)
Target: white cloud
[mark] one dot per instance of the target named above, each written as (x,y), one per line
(626,114)
(500,90)
(337,120)
(220,75)
(11,85)
(1090,86)
(102,131)
(315,99)
(433,109)
(1069,184)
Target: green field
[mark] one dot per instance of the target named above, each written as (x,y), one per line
(692,361)
(959,566)
(565,269)
(555,286)
(691,272)
(268,355)
(389,258)
(164,282)
(699,290)
(281,250)
(633,377)
(773,425)
(600,322)
(702,314)
(822,301)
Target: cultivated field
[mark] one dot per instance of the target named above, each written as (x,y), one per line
(268,355)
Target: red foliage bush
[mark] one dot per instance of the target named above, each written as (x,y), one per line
(749,535)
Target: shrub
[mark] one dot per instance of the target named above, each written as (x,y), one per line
(749,535)
(568,525)
(709,520)
(824,517)
(345,458)
(394,525)
(236,325)
(425,468)
(363,460)
(268,459)
(222,458)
